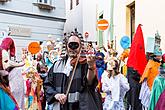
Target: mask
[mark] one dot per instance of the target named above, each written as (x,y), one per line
(5,59)
(73,45)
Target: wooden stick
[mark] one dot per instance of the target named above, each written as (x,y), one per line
(72,76)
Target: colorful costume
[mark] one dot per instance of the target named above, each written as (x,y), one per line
(148,77)
(7,101)
(161,102)
(150,72)
(100,65)
(33,93)
(136,64)
(157,89)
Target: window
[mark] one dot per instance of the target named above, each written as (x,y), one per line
(77,2)
(132,16)
(71,4)
(45,4)
(130,20)
(49,2)
(4,1)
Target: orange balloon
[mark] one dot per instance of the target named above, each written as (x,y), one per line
(34,47)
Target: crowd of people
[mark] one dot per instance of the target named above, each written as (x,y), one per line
(77,76)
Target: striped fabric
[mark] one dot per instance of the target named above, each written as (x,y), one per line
(145,94)
(57,81)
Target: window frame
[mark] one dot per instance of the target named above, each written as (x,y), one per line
(44,4)
(71,4)
(48,2)
(132,20)
(77,2)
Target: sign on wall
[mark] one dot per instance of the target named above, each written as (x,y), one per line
(102,24)
(19,31)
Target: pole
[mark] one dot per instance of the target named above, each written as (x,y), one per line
(111,20)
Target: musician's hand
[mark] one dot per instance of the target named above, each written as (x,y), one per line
(91,61)
(61,98)
(91,68)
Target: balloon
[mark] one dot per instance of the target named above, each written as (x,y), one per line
(125,42)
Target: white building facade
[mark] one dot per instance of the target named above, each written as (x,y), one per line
(127,14)
(32,20)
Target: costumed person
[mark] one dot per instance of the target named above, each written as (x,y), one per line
(111,53)
(136,64)
(31,82)
(8,45)
(100,66)
(148,77)
(122,62)
(115,85)
(158,87)
(7,100)
(16,87)
(79,95)
(125,44)
(160,105)
(54,55)
(33,89)
(42,70)
(41,66)
(90,48)
(47,60)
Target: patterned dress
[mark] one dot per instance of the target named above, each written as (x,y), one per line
(15,78)
(115,88)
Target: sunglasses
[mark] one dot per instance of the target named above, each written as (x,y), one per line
(73,45)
